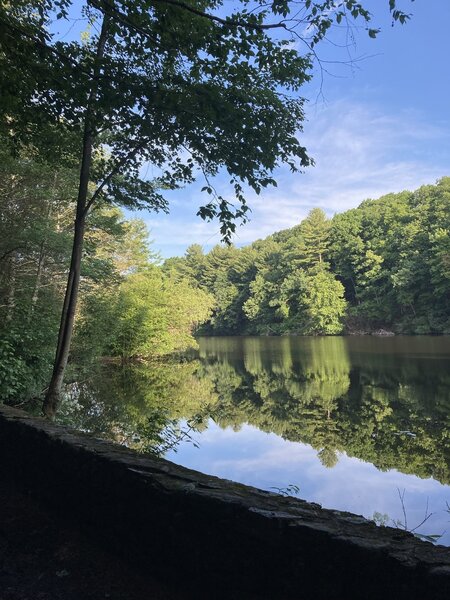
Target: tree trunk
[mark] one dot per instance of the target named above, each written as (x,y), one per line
(53,396)
(11,297)
(354,291)
(37,282)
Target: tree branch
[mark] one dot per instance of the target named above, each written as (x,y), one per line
(178,3)
(124,19)
(215,18)
(111,174)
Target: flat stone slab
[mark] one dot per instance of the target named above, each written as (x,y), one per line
(224,539)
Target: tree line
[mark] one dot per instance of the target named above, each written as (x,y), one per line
(383,265)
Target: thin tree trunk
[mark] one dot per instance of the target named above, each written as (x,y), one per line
(354,290)
(53,396)
(42,255)
(11,297)
(37,282)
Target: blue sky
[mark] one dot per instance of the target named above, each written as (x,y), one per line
(382,126)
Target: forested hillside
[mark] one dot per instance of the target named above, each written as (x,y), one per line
(93,94)
(385,264)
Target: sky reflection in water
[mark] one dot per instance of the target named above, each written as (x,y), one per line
(266,461)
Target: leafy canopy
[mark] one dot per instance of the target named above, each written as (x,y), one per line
(190,86)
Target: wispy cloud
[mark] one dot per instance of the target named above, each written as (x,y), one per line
(360,152)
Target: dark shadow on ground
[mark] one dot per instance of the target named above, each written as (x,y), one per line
(43,558)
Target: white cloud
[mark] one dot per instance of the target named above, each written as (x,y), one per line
(360,152)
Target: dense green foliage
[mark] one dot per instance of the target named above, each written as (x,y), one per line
(385,264)
(35,221)
(147,315)
(129,307)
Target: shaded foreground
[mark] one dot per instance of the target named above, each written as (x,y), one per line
(43,558)
(217,538)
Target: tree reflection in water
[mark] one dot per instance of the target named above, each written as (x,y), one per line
(385,401)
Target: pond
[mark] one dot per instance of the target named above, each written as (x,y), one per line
(353,423)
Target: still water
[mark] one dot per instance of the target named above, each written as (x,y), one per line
(352,423)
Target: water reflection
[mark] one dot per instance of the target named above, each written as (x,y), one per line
(357,405)
(386,401)
(140,406)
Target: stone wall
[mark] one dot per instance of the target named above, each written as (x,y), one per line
(223,539)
